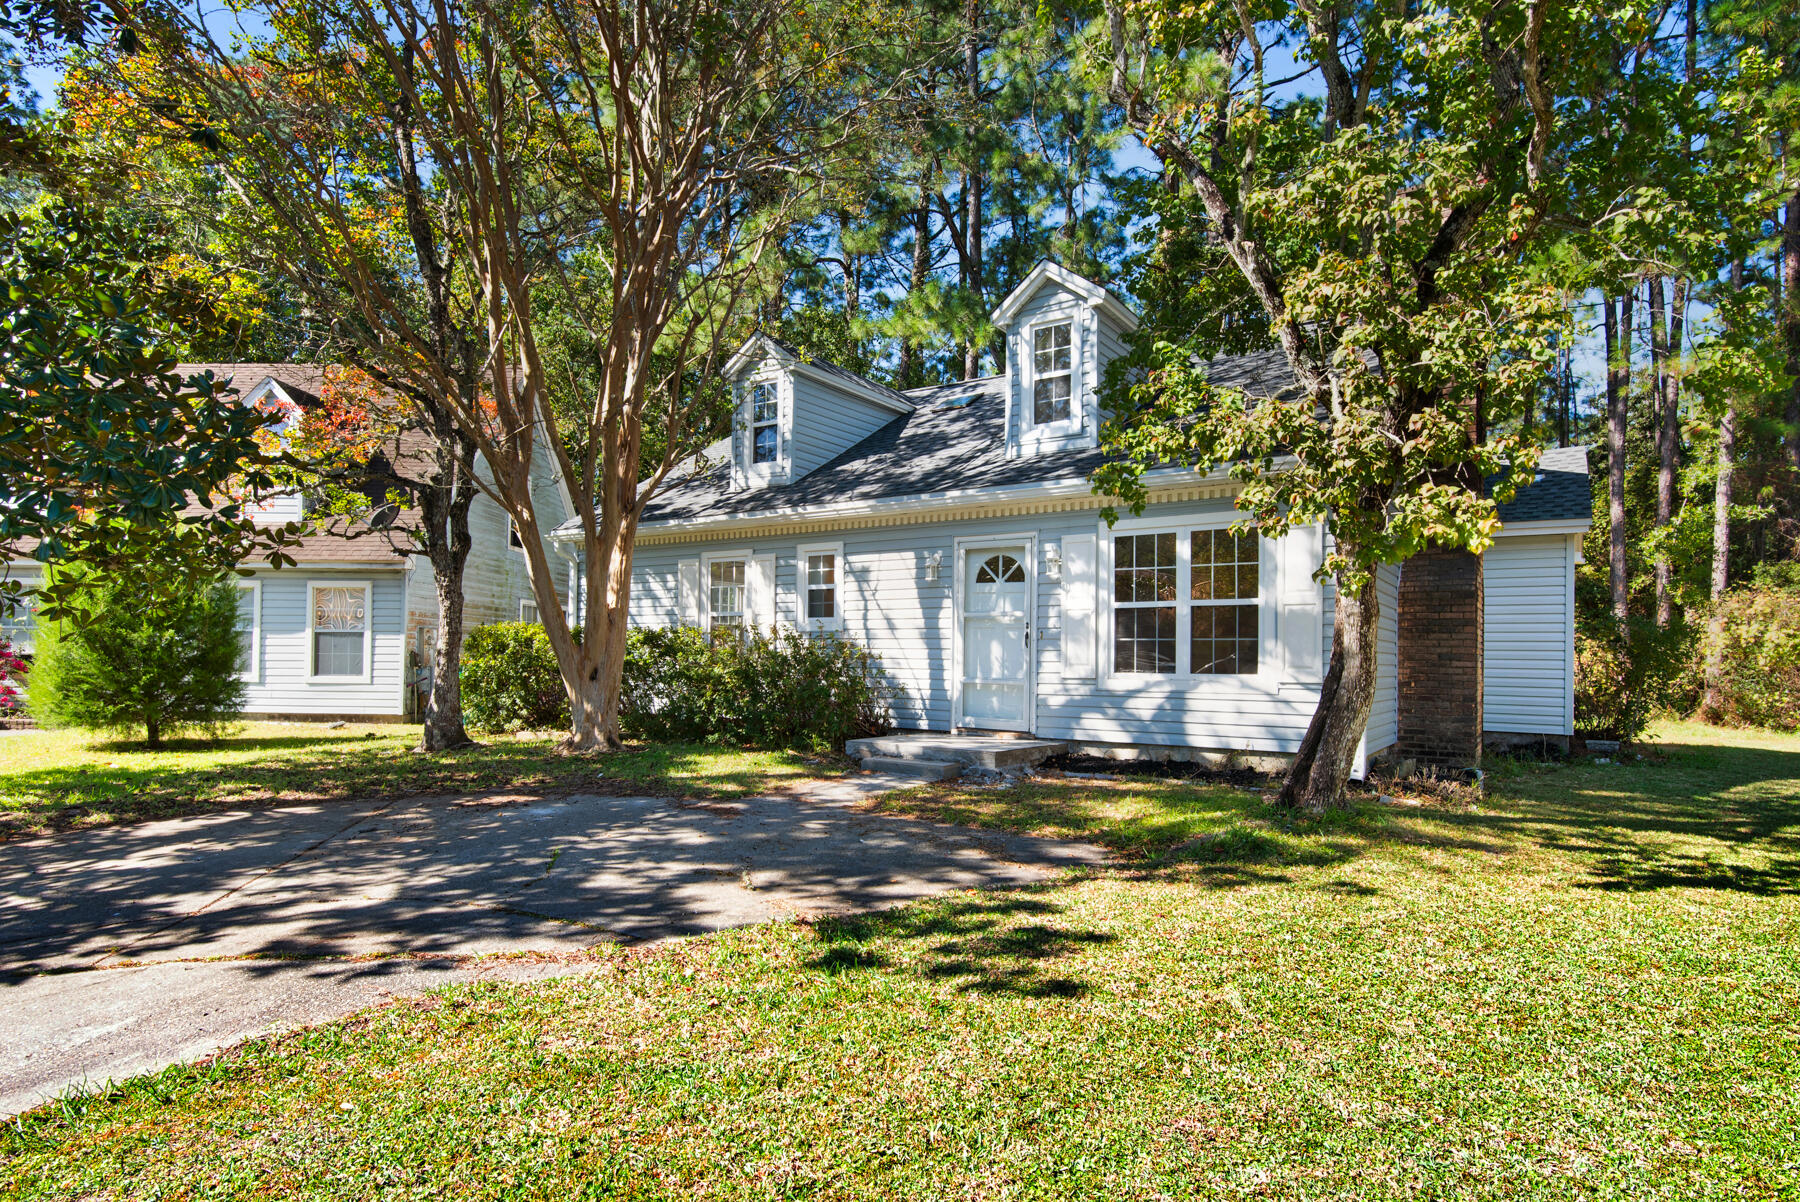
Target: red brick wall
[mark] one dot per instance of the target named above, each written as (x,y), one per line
(1440,659)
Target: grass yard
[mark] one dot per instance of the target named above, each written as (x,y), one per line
(64,780)
(1586,986)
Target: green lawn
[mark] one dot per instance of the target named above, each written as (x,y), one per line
(1585,986)
(64,780)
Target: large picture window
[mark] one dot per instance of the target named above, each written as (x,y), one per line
(1052,373)
(765,419)
(340,631)
(1186,603)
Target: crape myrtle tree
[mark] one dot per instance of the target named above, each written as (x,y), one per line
(669,145)
(1382,236)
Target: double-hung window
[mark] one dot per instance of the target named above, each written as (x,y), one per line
(1052,373)
(1144,609)
(765,424)
(1224,578)
(1186,603)
(340,631)
(817,569)
(725,594)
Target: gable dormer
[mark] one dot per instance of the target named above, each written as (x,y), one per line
(1061,331)
(792,414)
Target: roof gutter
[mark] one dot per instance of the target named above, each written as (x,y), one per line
(935,503)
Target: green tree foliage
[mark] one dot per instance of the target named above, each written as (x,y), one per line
(1380,237)
(95,418)
(135,664)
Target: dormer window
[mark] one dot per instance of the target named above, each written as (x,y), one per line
(1052,372)
(765,419)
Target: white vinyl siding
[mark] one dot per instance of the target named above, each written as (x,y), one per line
(1527,628)
(892,602)
(286,686)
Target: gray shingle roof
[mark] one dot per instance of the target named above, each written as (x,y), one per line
(935,449)
(1560,492)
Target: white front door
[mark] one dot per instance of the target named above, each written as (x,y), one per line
(996,638)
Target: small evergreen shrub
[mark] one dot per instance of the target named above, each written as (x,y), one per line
(160,666)
(510,679)
(1758,650)
(779,689)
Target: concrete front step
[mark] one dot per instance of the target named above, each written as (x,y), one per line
(974,751)
(923,769)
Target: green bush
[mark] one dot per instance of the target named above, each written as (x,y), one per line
(160,666)
(510,680)
(1622,681)
(1757,643)
(779,689)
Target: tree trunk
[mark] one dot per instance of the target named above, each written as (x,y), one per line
(1618,396)
(1327,754)
(444,517)
(1790,323)
(912,366)
(1712,705)
(153,734)
(1666,400)
(972,187)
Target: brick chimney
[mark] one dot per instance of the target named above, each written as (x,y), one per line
(1440,659)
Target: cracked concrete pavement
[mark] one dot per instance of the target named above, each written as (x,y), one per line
(129,948)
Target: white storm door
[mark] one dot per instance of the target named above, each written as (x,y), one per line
(996,638)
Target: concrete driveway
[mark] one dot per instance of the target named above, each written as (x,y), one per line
(130,948)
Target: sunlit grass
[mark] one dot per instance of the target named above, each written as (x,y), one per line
(64,780)
(1583,986)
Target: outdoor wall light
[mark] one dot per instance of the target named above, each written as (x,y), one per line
(1053,560)
(934,563)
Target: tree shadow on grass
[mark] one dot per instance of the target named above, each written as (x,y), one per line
(1692,817)
(977,943)
(194,776)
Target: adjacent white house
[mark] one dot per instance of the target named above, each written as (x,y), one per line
(954,532)
(348,631)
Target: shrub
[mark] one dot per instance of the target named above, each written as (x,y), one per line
(780,689)
(1622,681)
(160,665)
(1757,642)
(510,680)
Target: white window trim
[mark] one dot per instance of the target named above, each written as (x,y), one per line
(1029,428)
(756,474)
(524,602)
(706,562)
(253,674)
(312,646)
(801,621)
(512,530)
(1264,682)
